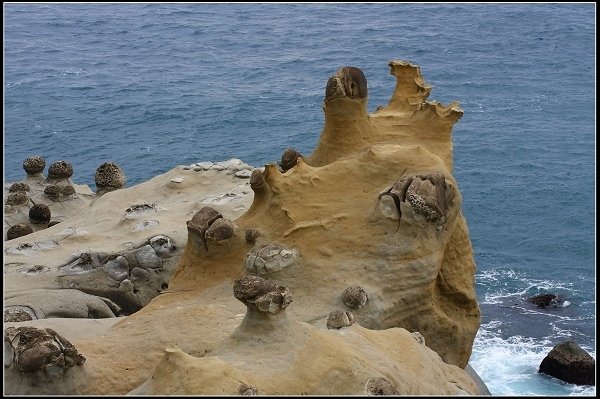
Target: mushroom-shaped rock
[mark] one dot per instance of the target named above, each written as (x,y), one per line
(18,230)
(261,294)
(18,186)
(60,170)
(30,349)
(289,159)
(347,82)
(34,165)
(339,318)
(380,386)
(17,199)
(202,221)
(39,214)
(568,362)
(270,257)
(256,179)
(109,177)
(355,297)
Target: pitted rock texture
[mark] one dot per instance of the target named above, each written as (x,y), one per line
(40,214)
(34,165)
(17,199)
(18,230)
(426,194)
(58,193)
(60,170)
(109,177)
(18,313)
(29,349)
(63,197)
(355,297)
(19,186)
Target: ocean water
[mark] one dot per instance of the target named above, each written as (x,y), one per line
(152,86)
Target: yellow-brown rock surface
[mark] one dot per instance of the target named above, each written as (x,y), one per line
(374,206)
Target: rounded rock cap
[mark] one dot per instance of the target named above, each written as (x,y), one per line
(18,186)
(39,214)
(16,199)
(251,235)
(34,165)
(355,297)
(109,175)
(289,159)
(18,230)
(262,294)
(339,319)
(60,170)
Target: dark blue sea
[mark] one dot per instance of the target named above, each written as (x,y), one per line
(152,86)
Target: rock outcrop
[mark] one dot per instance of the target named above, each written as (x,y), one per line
(414,258)
(366,232)
(545,301)
(268,354)
(568,362)
(40,361)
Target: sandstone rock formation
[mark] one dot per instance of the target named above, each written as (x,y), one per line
(375,206)
(567,361)
(414,260)
(268,354)
(112,258)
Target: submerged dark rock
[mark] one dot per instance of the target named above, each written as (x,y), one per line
(545,301)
